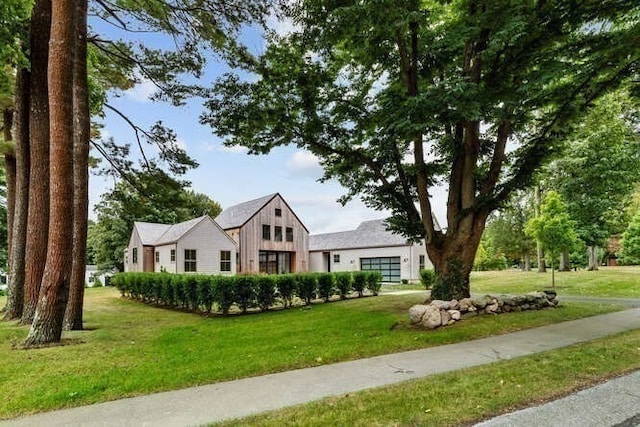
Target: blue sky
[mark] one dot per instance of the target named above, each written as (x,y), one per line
(230,175)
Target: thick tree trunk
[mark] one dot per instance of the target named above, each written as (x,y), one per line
(592,256)
(527,261)
(47,322)
(564,261)
(38,217)
(15,289)
(10,174)
(73,315)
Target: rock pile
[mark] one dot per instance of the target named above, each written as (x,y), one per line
(442,313)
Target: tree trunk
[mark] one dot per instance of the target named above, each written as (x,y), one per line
(527,261)
(82,124)
(10,175)
(553,274)
(564,261)
(47,322)
(15,289)
(542,268)
(592,255)
(38,217)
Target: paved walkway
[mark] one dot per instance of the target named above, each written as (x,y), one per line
(233,399)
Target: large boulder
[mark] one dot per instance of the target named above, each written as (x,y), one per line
(442,305)
(464,304)
(455,314)
(416,312)
(432,317)
(445,317)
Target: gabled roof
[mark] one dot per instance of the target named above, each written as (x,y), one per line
(369,234)
(152,234)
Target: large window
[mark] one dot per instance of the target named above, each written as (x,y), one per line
(289,232)
(275,262)
(389,267)
(266,232)
(190,261)
(225,260)
(134,255)
(277,233)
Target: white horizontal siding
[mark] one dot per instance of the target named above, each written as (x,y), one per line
(208,240)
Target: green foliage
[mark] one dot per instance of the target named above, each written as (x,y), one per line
(224,292)
(359,282)
(427,278)
(245,293)
(286,284)
(631,242)
(374,282)
(553,227)
(326,285)
(487,258)
(343,284)
(307,287)
(265,291)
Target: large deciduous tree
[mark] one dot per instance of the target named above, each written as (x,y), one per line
(599,172)
(397,97)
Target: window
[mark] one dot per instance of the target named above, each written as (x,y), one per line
(277,233)
(134,255)
(289,232)
(190,260)
(266,232)
(389,267)
(421,262)
(274,262)
(157,256)
(173,255)
(278,212)
(225,260)
(336,258)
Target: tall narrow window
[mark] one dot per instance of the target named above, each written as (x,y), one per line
(421,262)
(336,258)
(157,256)
(266,232)
(173,255)
(190,260)
(289,232)
(134,255)
(225,260)
(278,212)
(277,233)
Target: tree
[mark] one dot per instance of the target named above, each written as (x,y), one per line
(631,242)
(553,228)
(395,98)
(600,171)
(47,322)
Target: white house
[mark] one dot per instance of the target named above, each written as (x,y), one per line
(369,247)
(195,246)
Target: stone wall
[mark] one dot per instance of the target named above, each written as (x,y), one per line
(442,313)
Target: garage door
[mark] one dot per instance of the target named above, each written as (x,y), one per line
(389,267)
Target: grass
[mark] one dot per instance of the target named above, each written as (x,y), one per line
(608,282)
(133,349)
(470,395)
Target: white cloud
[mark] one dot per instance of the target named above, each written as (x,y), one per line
(216,146)
(304,163)
(142,91)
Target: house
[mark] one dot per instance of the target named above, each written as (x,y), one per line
(369,247)
(270,237)
(195,246)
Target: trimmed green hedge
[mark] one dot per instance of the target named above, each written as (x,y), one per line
(219,293)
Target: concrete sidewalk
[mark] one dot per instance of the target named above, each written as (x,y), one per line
(223,401)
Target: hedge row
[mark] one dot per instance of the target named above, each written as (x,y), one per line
(204,292)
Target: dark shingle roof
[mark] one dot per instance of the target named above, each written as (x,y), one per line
(238,215)
(368,234)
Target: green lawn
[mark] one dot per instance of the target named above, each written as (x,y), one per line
(132,349)
(615,282)
(470,395)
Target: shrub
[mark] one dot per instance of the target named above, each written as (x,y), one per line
(343,283)
(223,292)
(286,284)
(359,282)
(326,285)
(167,294)
(245,292)
(265,291)
(190,283)
(374,281)
(307,287)
(205,292)
(428,278)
